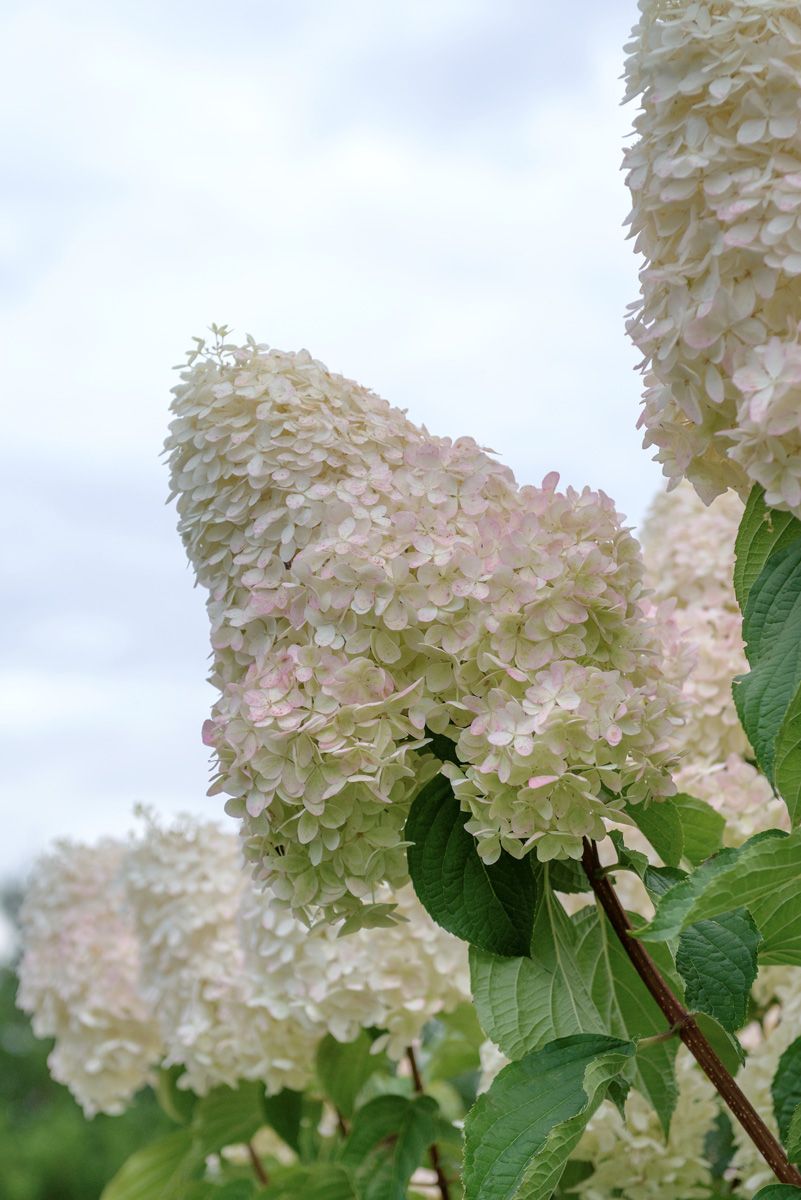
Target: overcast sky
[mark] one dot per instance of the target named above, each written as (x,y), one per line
(426,194)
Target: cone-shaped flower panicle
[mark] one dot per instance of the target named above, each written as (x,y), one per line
(369,582)
(79,977)
(715,178)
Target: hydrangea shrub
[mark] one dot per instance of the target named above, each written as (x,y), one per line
(511,908)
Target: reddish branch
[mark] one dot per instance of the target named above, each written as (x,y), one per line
(433,1149)
(680,1019)
(258,1169)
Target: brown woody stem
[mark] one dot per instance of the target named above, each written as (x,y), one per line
(433,1149)
(255,1162)
(685,1024)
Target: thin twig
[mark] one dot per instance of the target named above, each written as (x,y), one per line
(258,1169)
(342,1124)
(433,1149)
(677,1015)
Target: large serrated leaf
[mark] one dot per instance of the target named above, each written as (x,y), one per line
(660,823)
(283,1112)
(344,1068)
(389,1139)
(321,1181)
(519,1134)
(162,1169)
(578,980)
(762,531)
(524,1002)
(453,1044)
(772,632)
(228,1116)
(677,900)
(491,906)
(626,1008)
(793,1139)
(717,959)
(701,825)
(785,1089)
(762,876)
(787,764)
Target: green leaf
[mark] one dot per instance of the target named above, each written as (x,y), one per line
(453,1045)
(725,1044)
(488,906)
(659,880)
(787,767)
(568,876)
(178,1103)
(369,916)
(523,1003)
(719,1145)
(778,1191)
(677,900)
(578,980)
(235,1189)
(786,1087)
(660,823)
(283,1112)
(162,1169)
(343,1068)
(229,1116)
(633,860)
(626,1008)
(772,631)
(388,1141)
(519,1134)
(702,827)
(321,1181)
(762,531)
(717,959)
(793,1139)
(761,876)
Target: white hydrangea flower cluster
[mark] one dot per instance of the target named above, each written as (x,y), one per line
(246,991)
(741,793)
(630,1156)
(395,979)
(715,178)
(368,581)
(163,950)
(185,885)
(79,977)
(688,550)
(781,1028)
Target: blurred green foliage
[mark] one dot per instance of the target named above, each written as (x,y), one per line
(48,1149)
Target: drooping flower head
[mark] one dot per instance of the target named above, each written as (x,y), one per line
(368,583)
(689,563)
(79,977)
(715,178)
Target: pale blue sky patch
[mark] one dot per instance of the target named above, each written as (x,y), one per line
(426,195)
